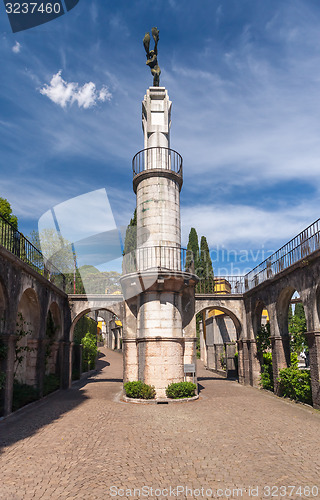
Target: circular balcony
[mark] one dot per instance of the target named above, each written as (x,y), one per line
(157,162)
(157,257)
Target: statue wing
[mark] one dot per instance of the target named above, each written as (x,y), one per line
(146,42)
(155,36)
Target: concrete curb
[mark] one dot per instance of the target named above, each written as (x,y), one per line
(163,401)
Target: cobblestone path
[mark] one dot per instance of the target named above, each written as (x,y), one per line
(85,444)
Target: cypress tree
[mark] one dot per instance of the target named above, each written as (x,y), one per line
(193,250)
(205,268)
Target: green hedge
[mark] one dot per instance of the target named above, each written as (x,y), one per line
(139,390)
(266,377)
(295,383)
(180,390)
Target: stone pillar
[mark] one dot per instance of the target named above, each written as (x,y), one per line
(219,348)
(203,345)
(230,362)
(280,348)
(240,362)
(66,358)
(246,361)
(255,367)
(130,357)
(314,350)
(10,342)
(118,340)
(129,341)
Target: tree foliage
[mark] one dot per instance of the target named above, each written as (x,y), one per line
(297,326)
(6,212)
(193,249)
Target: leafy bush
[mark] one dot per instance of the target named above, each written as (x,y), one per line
(266,377)
(236,361)
(295,383)
(23,394)
(51,383)
(180,390)
(139,390)
(263,338)
(89,352)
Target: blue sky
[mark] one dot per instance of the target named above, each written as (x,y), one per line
(244,78)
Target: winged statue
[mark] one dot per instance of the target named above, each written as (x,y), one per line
(152,55)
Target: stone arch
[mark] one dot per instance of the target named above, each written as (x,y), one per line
(85,311)
(257,316)
(54,333)
(28,321)
(29,311)
(57,317)
(227,311)
(282,307)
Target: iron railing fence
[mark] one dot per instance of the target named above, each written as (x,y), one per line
(157,158)
(221,285)
(157,257)
(299,248)
(16,243)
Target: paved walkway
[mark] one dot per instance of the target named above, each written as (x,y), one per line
(84,444)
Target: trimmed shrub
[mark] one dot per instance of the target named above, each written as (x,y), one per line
(139,390)
(180,390)
(295,383)
(266,377)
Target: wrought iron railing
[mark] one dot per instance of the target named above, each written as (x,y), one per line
(221,285)
(157,257)
(157,158)
(16,243)
(297,249)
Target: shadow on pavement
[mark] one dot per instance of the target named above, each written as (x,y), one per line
(30,419)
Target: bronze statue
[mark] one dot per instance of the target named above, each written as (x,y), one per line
(152,60)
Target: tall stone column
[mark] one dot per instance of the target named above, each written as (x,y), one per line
(155,276)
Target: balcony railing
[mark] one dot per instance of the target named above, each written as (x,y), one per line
(297,249)
(157,257)
(16,243)
(221,285)
(157,158)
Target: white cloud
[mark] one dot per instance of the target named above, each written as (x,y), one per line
(62,93)
(243,226)
(16,48)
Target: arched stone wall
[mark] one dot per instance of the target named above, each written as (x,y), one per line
(28,328)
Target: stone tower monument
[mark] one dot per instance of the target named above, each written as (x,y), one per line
(159,327)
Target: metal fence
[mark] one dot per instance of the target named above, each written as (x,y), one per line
(297,249)
(157,257)
(221,285)
(157,158)
(16,243)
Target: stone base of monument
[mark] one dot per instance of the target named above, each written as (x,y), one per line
(158,401)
